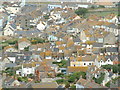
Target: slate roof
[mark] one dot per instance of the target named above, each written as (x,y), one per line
(10,65)
(112,57)
(113,26)
(28,8)
(89,84)
(44,85)
(55,49)
(77,39)
(13,26)
(10,54)
(28,33)
(112,49)
(97,44)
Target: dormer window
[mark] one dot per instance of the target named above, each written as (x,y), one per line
(19,57)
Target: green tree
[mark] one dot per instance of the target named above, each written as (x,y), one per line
(60,81)
(20,79)
(81,11)
(60,75)
(100,79)
(93,7)
(73,86)
(26,48)
(67,85)
(107,84)
(71,79)
(101,6)
(63,64)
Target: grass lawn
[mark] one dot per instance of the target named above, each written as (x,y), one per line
(101,13)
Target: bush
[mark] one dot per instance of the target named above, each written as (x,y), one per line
(37,81)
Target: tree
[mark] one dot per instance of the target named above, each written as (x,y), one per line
(101,6)
(60,75)
(115,68)
(100,79)
(71,79)
(93,7)
(107,67)
(63,64)
(107,84)
(20,79)
(73,86)
(81,11)
(67,85)
(60,81)
(26,48)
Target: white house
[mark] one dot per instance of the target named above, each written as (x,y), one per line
(41,26)
(13,9)
(83,5)
(9,30)
(12,59)
(25,71)
(83,37)
(99,61)
(50,6)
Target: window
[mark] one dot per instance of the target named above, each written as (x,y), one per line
(89,63)
(18,57)
(84,63)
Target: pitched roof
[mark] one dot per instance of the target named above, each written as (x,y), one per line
(112,49)
(77,69)
(97,44)
(45,85)
(7,47)
(23,39)
(89,84)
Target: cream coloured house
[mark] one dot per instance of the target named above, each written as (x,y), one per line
(22,43)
